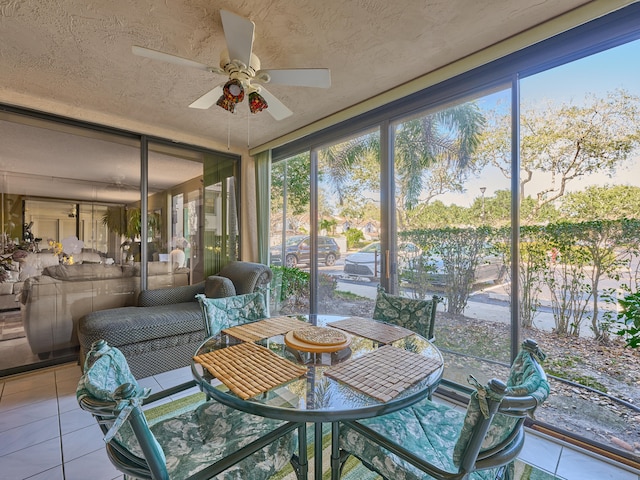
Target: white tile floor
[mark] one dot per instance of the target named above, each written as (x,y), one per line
(45,436)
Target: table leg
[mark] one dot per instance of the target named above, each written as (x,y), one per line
(335,451)
(301,462)
(317,451)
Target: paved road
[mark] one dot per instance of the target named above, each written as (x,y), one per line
(490,303)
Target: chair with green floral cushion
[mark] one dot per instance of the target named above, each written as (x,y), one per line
(210,440)
(416,315)
(225,312)
(431,440)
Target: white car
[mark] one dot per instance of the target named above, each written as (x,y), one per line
(490,269)
(367,261)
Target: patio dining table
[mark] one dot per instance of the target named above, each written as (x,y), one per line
(270,368)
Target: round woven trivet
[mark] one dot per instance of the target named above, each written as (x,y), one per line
(320,335)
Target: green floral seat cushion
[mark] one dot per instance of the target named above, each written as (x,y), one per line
(196,439)
(225,312)
(438,433)
(416,315)
(428,429)
(188,442)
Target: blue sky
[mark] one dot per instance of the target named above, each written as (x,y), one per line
(614,68)
(606,71)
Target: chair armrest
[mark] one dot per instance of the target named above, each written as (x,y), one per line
(167,392)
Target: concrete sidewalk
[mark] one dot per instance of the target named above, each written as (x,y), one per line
(489,304)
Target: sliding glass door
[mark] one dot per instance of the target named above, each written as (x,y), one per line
(290,247)
(76,238)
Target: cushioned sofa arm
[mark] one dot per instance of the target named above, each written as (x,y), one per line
(170,295)
(216,286)
(247,277)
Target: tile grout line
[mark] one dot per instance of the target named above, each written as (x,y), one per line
(55,373)
(555,471)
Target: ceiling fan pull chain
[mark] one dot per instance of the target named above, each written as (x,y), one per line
(228,132)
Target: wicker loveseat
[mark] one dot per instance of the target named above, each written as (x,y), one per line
(166,326)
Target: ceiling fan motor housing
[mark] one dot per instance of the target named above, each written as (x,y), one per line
(236,69)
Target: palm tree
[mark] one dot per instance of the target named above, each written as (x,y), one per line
(433,155)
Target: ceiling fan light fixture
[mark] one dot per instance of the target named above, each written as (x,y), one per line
(243,67)
(257,103)
(232,93)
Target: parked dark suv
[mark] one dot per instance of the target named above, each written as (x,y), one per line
(299,248)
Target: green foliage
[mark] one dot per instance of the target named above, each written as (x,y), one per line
(459,250)
(292,174)
(127,222)
(327,285)
(569,258)
(629,319)
(354,237)
(293,281)
(417,275)
(565,361)
(437,215)
(585,380)
(535,254)
(328,225)
(561,143)
(602,203)
(351,167)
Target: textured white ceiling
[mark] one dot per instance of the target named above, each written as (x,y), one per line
(73,57)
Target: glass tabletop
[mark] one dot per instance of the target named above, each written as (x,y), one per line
(326,391)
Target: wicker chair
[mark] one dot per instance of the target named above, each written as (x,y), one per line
(430,440)
(200,443)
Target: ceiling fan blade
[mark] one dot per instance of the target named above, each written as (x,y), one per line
(165,57)
(208,99)
(276,108)
(238,32)
(298,77)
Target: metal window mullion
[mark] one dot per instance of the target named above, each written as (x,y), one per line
(313,237)
(144,228)
(515,215)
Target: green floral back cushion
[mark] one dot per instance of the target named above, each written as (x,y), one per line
(105,370)
(225,312)
(416,315)
(524,379)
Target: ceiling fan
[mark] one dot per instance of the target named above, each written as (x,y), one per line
(245,77)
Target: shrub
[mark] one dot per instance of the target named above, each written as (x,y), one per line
(354,237)
(629,319)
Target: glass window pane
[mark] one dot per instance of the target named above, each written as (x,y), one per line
(579,245)
(61,184)
(349,220)
(290,228)
(221,242)
(453,219)
(174,209)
